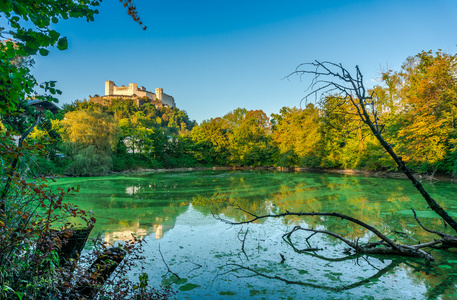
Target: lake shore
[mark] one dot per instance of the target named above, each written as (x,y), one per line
(379,174)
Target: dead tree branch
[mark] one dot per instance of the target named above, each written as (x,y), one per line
(350,88)
(287,238)
(446,241)
(384,246)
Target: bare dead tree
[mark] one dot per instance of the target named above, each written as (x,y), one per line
(333,81)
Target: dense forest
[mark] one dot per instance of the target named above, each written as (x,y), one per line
(417,111)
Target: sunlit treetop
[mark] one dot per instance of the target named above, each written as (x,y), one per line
(25,31)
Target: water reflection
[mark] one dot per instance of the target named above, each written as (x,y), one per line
(128,232)
(131,190)
(175,210)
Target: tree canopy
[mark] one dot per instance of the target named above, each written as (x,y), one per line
(415,106)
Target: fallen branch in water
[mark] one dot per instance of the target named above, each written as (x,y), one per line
(385,246)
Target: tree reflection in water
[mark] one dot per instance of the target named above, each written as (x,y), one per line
(179,207)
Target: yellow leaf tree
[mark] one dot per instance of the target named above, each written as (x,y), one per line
(89,137)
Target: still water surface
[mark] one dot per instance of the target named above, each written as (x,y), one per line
(175,211)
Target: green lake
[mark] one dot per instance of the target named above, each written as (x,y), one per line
(176,211)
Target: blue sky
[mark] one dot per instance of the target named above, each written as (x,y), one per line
(215,56)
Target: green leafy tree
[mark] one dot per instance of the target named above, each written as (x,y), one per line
(426,95)
(175,121)
(211,142)
(26,32)
(250,143)
(234,118)
(297,135)
(89,138)
(122,108)
(29,33)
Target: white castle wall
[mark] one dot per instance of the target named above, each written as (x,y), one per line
(132,90)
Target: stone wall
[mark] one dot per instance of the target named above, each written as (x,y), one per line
(106,100)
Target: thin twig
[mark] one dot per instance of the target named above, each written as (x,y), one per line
(243,241)
(198,266)
(426,229)
(168,268)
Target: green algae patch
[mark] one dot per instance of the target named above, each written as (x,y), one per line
(188,287)
(171,279)
(228,293)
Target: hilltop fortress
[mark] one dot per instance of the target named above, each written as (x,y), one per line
(139,95)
